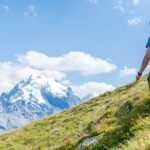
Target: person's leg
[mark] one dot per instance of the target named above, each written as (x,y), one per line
(148,79)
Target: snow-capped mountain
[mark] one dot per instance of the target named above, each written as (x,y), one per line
(33,98)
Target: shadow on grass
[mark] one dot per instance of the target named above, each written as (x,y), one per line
(126,115)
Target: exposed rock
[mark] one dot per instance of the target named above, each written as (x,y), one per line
(88,141)
(86,131)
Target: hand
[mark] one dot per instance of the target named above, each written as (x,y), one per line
(138,77)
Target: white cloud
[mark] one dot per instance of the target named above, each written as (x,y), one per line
(128,7)
(53,67)
(93,2)
(136,2)
(12,72)
(127,71)
(120,7)
(94,88)
(5,7)
(74,61)
(135,21)
(31,11)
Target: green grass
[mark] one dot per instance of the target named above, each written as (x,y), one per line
(120,118)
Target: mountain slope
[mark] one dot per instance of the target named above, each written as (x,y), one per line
(118,120)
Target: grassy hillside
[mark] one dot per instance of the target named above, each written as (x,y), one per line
(120,119)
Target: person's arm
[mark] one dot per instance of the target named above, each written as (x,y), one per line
(144,63)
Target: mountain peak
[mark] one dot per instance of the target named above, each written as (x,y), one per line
(33,98)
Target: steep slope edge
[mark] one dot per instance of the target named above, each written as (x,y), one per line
(117,118)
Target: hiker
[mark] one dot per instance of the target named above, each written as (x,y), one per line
(145,63)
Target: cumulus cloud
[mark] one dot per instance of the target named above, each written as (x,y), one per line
(96,88)
(128,7)
(119,7)
(127,71)
(135,21)
(55,67)
(12,72)
(74,61)
(31,11)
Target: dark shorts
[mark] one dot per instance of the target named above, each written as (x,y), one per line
(148,79)
(148,43)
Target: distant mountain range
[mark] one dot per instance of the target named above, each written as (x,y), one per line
(34,98)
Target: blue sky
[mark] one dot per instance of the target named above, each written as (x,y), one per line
(115,31)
